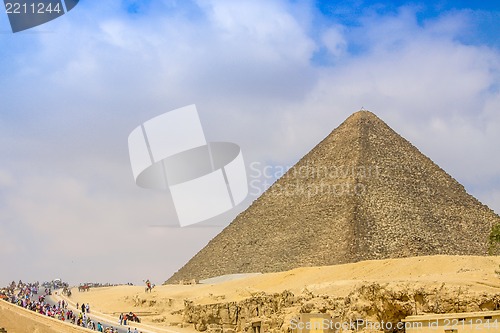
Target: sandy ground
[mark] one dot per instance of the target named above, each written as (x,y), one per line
(160,310)
(477,273)
(18,320)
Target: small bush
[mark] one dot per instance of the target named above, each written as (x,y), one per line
(494,242)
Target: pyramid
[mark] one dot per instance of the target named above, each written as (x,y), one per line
(362,193)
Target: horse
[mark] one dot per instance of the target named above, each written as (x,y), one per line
(66,291)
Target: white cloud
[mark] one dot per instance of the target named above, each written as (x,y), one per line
(334,40)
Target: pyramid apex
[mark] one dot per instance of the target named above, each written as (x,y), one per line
(362,115)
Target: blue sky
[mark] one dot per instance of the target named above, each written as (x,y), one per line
(274,76)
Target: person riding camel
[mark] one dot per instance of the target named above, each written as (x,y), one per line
(148,285)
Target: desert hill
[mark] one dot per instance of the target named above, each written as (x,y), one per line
(396,287)
(387,289)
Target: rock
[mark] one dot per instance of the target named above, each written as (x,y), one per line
(369,303)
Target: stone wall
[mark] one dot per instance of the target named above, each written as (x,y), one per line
(370,302)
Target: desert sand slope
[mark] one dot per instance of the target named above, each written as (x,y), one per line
(18,320)
(473,272)
(163,307)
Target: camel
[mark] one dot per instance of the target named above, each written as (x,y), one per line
(131,317)
(149,286)
(84,288)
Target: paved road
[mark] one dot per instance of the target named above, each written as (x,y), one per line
(106,320)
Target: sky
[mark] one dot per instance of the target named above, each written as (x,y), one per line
(273,76)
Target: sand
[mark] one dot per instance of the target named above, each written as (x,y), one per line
(477,273)
(160,309)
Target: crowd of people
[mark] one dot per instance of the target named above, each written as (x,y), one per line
(23,294)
